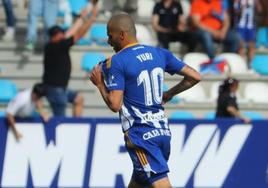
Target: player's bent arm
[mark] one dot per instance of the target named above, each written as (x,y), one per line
(191,77)
(113,99)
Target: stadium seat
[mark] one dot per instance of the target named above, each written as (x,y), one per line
(253,115)
(84,42)
(260,64)
(195,59)
(236,63)
(182,115)
(262,37)
(90,59)
(7,90)
(144,36)
(77,5)
(2,114)
(256,92)
(195,94)
(98,34)
(175,99)
(210,115)
(145,8)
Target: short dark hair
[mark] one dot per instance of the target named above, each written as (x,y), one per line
(39,89)
(225,86)
(124,22)
(52,31)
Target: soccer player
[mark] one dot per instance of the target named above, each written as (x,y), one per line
(131,83)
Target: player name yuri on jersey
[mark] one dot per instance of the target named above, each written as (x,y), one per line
(145,57)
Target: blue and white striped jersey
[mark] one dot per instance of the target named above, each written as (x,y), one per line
(139,70)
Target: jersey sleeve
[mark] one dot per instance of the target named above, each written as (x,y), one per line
(173,65)
(113,75)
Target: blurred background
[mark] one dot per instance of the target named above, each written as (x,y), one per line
(21,60)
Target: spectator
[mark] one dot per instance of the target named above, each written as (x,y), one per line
(25,105)
(10,20)
(48,9)
(57,64)
(246,26)
(211,23)
(227,106)
(170,25)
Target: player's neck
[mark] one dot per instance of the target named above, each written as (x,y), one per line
(130,43)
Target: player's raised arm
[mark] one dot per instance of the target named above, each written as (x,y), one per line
(191,77)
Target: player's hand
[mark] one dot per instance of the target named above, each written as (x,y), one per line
(166,97)
(95,75)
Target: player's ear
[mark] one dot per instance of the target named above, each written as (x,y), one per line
(122,35)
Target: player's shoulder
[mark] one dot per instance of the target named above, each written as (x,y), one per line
(109,62)
(106,64)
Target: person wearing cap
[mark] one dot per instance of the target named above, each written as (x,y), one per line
(57,64)
(24,105)
(227,106)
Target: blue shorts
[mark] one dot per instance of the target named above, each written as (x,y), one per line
(58,98)
(149,150)
(247,35)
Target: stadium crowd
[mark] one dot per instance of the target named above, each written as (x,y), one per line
(202,23)
(210,26)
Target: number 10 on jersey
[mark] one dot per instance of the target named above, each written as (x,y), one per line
(152,84)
